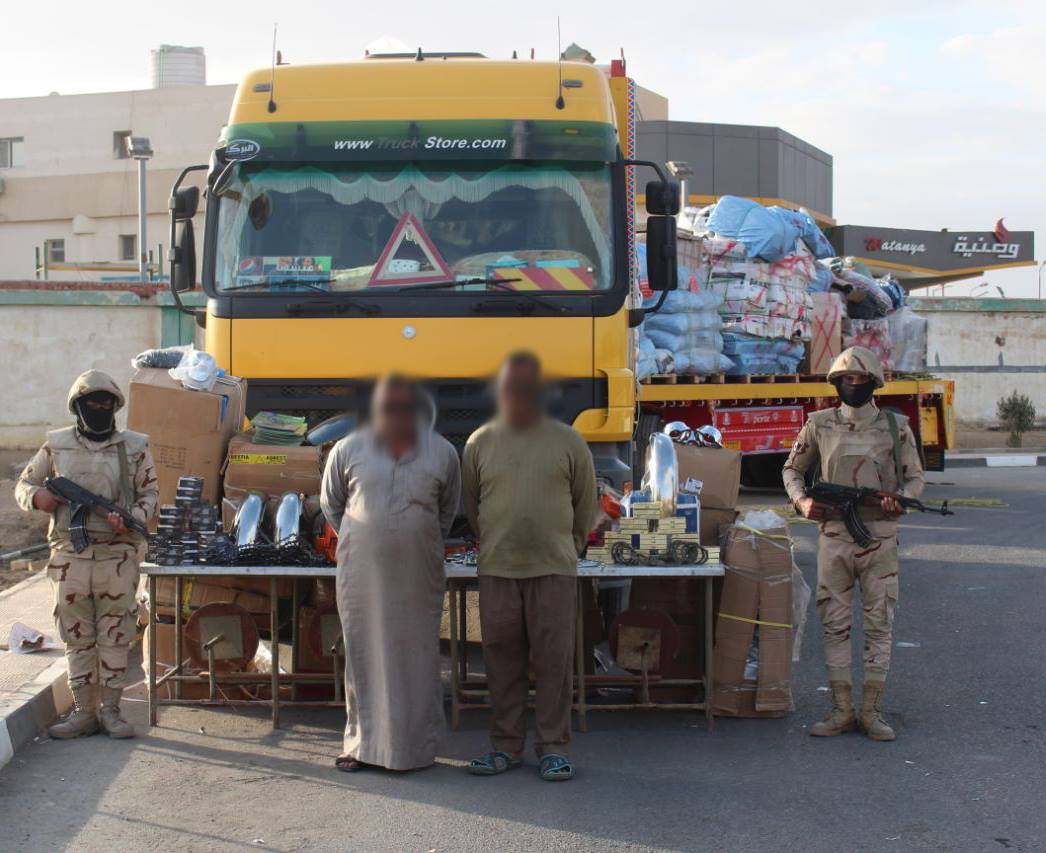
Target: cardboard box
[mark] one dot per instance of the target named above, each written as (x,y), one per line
(271,469)
(712,522)
(826,332)
(718,469)
(213,591)
(757,590)
(188,430)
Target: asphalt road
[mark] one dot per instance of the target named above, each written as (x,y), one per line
(966,773)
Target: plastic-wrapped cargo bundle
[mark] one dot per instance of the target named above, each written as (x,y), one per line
(870,334)
(822,282)
(740,295)
(764,233)
(757,355)
(866,300)
(646,359)
(907,340)
(685,332)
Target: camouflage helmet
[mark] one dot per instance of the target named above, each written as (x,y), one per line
(858,361)
(90,381)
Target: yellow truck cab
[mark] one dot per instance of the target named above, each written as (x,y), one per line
(428,215)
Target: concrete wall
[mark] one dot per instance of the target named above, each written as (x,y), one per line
(990,347)
(47,338)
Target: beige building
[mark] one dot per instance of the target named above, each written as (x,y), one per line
(67,187)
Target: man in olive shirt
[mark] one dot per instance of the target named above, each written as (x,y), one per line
(530,495)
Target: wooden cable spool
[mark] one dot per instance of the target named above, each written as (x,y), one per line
(238,631)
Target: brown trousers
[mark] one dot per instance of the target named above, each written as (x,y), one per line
(523,620)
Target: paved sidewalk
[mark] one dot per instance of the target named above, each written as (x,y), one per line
(33,689)
(994,458)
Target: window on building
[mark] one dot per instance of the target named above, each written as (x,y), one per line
(120,138)
(128,247)
(12,152)
(55,250)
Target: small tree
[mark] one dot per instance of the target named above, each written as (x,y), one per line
(1017,414)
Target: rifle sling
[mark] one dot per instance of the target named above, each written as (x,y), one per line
(895,434)
(126,490)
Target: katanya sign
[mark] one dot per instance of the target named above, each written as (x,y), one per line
(877,244)
(935,251)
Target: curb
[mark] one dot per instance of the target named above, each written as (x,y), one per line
(1001,460)
(37,705)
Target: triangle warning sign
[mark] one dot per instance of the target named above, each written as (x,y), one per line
(409,257)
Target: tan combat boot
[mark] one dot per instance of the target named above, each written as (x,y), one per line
(872,723)
(82,720)
(113,724)
(841,720)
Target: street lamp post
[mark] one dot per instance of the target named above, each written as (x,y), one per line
(1043,264)
(140,150)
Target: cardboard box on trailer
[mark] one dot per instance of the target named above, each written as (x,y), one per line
(188,430)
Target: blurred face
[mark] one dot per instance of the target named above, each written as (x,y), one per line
(855,389)
(396,414)
(519,394)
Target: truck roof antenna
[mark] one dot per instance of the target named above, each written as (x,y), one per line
(560,103)
(271,106)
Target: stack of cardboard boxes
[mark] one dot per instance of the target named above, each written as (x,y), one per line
(753,647)
(719,472)
(197,433)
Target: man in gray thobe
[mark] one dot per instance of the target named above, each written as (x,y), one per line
(391,490)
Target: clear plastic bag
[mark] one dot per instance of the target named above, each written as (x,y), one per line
(197,370)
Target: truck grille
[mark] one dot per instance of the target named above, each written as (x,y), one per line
(462,405)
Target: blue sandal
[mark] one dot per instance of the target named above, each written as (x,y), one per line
(493,763)
(556,768)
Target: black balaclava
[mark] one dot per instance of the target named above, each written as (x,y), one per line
(95,424)
(854,395)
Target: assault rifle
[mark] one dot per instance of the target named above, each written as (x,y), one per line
(846,499)
(81,502)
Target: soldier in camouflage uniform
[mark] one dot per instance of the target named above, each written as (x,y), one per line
(95,606)
(856,444)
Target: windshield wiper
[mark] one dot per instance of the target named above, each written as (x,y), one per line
(453,282)
(297,308)
(308,285)
(495,283)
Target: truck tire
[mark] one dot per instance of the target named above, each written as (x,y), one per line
(646,425)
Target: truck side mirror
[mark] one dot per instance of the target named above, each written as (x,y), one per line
(183,260)
(184,203)
(662,198)
(661,271)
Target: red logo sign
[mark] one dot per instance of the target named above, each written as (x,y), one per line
(1001,232)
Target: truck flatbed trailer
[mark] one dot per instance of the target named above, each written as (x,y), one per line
(762,415)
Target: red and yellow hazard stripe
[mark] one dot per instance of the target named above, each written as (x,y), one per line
(546,278)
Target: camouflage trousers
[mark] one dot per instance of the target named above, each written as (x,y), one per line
(840,566)
(95,611)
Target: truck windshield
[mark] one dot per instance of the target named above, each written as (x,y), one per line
(313,229)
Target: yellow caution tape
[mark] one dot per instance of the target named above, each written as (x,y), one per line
(763,533)
(258,458)
(187,584)
(754,621)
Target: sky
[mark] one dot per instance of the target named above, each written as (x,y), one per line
(934,112)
